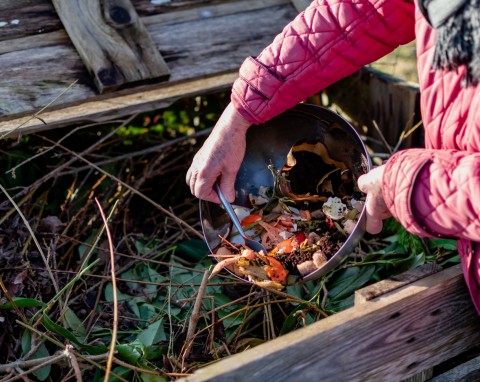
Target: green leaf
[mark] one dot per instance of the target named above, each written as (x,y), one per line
(42,373)
(155,352)
(22,302)
(451,260)
(68,335)
(121,372)
(153,333)
(26,342)
(291,321)
(147,311)
(131,352)
(346,281)
(75,324)
(339,305)
(448,244)
(192,250)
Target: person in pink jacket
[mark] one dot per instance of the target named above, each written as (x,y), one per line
(433,192)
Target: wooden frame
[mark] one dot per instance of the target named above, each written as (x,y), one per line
(388,338)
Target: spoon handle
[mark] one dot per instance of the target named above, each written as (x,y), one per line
(229,209)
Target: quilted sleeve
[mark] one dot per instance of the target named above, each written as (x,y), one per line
(328,41)
(435,192)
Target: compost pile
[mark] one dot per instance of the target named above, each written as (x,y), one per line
(57,266)
(302,221)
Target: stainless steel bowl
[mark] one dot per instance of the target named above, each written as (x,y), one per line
(270,143)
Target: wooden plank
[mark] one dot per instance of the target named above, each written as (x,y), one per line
(112,41)
(60,37)
(202,48)
(466,372)
(21,18)
(370,95)
(390,338)
(388,285)
(98,110)
(301,5)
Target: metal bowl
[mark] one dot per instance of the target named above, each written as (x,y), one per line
(270,143)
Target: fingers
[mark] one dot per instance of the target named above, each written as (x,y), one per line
(376,209)
(374,226)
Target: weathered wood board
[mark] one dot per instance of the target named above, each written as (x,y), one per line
(200,43)
(370,96)
(112,42)
(389,338)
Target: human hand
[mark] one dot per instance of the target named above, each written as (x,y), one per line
(376,209)
(220,157)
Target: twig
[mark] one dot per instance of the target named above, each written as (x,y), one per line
(115,296)
(382,137)
(406,133)
(59,168)
(153,149)
(43,152)
(10,300)
(73,361)
(29,228)
(36,115)
(40,362)
(192,324)
(136,192)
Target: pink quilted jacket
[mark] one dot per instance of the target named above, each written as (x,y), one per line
(433,192)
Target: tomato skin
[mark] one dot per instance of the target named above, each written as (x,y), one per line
(276,271)
(300,237)
(250,219)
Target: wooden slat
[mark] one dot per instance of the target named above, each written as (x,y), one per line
(99,110)
(389,338)
(21,18)
(466,372)
(391,102)
(112,41)
(213,41)
(388,285)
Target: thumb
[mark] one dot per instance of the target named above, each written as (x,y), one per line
(227,185)
(362,183)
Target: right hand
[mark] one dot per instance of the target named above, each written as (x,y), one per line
(220,157)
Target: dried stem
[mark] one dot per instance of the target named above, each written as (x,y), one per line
(192,324)
(115,297)
(136,192)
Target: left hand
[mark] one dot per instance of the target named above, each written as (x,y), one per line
(376,209)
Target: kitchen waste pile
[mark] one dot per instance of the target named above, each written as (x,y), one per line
(302,220)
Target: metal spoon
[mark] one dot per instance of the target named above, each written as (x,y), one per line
(252,244)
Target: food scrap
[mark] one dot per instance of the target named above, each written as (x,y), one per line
(301,227)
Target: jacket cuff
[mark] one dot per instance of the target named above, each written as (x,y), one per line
(398,183)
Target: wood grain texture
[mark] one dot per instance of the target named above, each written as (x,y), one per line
(213,41)
(99,110)
(389,338)
(370,292)
(112,41)
(20,18)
